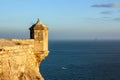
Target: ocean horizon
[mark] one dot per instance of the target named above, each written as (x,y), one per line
(82,60)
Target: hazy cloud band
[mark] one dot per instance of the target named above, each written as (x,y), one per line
(117,4)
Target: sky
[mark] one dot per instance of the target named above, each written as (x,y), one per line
(66,19)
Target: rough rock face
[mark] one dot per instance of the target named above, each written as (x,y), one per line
(18,60)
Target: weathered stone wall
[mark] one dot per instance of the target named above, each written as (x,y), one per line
(18,60)
(23,41)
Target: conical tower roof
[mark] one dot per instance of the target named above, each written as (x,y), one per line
(38,26)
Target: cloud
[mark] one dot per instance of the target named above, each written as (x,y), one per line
(117,4)
(116,19)
(107,12)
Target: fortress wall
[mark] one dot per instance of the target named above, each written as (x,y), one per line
(24,41)
(18,49)
(20,58)
(18,62)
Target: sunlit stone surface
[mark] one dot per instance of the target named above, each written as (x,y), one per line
(20,58)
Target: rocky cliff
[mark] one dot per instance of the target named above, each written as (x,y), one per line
(18,60)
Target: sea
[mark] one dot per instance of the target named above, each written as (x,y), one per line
(82,60)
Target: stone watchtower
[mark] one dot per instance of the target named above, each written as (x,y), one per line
(20,58)
(39,32)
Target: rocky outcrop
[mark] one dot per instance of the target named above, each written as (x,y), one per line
(18,60)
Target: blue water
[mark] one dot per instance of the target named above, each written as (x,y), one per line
(82,60)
